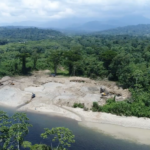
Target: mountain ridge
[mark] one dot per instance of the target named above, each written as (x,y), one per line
(135,30)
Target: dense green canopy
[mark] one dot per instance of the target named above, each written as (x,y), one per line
(121,58)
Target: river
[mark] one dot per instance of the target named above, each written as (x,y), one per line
(86,139)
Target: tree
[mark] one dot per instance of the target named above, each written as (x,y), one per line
(135,76)
(62,135)
(3,41)
(23,56)
(55,58)
(107,57)
(118,64)
(4,128)
(27,144)
(35,58)
(71,59)
(94,68)
(16,131)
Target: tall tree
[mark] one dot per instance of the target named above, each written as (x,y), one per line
(35,57)
(107,57)
(55,59)
(71,59)
(23,56)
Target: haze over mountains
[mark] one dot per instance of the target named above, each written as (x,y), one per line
(110,24)
(84,24)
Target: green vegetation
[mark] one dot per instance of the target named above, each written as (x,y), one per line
(14,129)
(17,34)
(78,105)
(138,105)
(121,58)
(135,30)
(63,135)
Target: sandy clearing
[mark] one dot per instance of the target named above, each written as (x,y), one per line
(13,97)
(56,96)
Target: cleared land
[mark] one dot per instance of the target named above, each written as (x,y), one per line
(57,95)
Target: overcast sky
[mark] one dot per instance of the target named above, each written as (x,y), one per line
(41,10)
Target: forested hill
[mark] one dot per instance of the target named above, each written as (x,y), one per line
(24,34)
(135,30)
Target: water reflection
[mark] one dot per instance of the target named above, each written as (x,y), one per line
(85,139)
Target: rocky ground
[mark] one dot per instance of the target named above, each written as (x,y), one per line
(60,91)
(57,95)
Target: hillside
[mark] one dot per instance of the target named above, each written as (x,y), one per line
(90,27)
(135,30)
(23,34)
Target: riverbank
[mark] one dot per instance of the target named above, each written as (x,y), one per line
(56,96)
(126,128)
(139,136)
(86,137)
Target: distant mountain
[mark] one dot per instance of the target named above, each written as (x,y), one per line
(130,20)
(78,25)
(135,30)
(22,33)
(91,26)
(14,27)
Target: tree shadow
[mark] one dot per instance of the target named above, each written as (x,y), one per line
(59,74)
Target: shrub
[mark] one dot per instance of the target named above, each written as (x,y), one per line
(78,105)
(139,107)
(75,105)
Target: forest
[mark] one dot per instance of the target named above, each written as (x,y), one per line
(120,58)
(134,30)
(23,34)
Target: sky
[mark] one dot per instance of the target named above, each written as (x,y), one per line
(44,10)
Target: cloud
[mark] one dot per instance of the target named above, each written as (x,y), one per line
(21,10)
